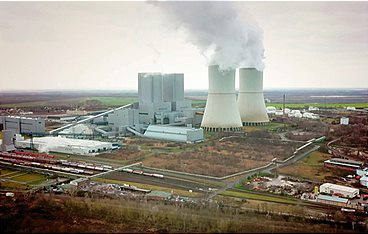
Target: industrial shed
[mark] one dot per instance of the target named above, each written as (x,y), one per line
(345,191)
(64,145)
(332,200)
(180,134)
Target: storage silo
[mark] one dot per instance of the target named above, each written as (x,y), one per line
(252,107)
(221,112)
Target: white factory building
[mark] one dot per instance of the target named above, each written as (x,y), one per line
(179,134)
(345,191)
(64,145)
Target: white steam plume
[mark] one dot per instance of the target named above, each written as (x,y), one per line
(234,40)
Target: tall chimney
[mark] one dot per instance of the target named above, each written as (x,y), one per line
(221,112)
(251,102)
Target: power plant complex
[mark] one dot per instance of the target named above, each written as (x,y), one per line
(223,111)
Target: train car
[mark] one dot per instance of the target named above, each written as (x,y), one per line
(128,170)
(158,176)
(147,174)
(139,172)
(99,168)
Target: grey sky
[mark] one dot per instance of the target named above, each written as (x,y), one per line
(103,45)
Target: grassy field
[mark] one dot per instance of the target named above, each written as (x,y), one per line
(249,195)
(29,177)
(310,167)
(320,105)
(26,180)
(112,101)
(150,187)
(270,126)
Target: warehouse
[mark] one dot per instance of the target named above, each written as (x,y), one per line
(180,134)
(64,145)
(332,200)
(343,164)
(340,190)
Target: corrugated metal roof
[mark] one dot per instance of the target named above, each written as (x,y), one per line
(169,129)
(334,199)
(343,164)
(346,161)
(159,194)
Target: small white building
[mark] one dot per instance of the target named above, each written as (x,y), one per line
(345,191)
(362,172)
(344,121)
(64,145)
(180,134)
(364,181)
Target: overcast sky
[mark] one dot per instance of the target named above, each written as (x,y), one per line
(103,45)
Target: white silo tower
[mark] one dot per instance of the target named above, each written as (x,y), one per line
(251,102)
(221,112)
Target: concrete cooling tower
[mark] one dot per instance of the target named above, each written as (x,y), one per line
(221,112)
(251,102)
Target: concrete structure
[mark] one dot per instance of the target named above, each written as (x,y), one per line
(121,119)
(180,134)
(80,182)
(21,125)
(251,101)
(221,112)
(7,144)
(343,191)
(64,145)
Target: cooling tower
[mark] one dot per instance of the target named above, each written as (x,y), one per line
(251,103)
(221,112)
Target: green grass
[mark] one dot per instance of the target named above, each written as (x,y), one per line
(311,167)
(270,126)
(13,186)
(248,195)
(29,177)
(320,105)
(113,101)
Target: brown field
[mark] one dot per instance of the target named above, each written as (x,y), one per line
(216,158)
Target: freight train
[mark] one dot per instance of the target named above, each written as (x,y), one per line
(140,172)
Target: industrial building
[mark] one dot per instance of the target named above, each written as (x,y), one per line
(161,99)
(221,112)
(343,164)
(251,103)
(22,125)
(64,145)
(180,134)
(337,201)
(343,191)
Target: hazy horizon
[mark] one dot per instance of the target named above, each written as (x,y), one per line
(84,45)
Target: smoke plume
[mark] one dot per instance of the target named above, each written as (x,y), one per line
(231,40)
